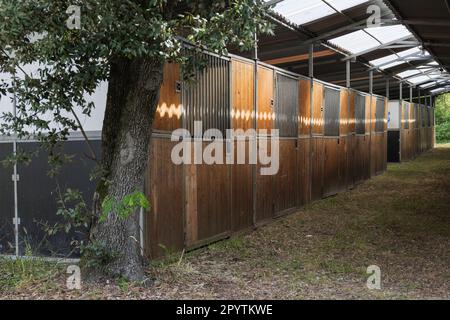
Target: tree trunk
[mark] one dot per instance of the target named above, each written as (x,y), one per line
(132,99)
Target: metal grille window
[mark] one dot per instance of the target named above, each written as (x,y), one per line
(207,97)
(406,115)
(423,116)
(416,116)
(331,112)
(432,116)
(379,124)
(286,108)
(360,114)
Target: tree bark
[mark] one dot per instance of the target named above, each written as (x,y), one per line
(132,99)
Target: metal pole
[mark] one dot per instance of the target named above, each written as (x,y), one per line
(311,111)
(371,82)
(400,117)
(15,176)
(410,94)
(387,89)
(255,125)
(348,73)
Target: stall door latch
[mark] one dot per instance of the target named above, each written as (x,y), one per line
(178,86)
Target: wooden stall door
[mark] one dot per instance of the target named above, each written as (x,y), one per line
(265,114)
(304,171)
(208,202)
(317,167)
(304,143)
(286,180)
(318,103)
(242,118)
(304,111)
(165,222)
(264,186)
(331,167)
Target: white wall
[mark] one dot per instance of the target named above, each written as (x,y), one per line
(92,123)
(394,115)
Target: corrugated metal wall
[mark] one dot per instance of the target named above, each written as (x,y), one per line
(360,113)
(416,116)
(286,109)
(207,98)
(424,117)
(331,112)
(406,115)
(379,126)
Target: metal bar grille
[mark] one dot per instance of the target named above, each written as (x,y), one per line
(416,116)
(331,112)
(406,113)
(379,124)
(423,116)
(207,97)
(360,114)
(286,109)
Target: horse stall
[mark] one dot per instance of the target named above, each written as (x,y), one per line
(378,138)
(361,164)
(410,131)
(330,138)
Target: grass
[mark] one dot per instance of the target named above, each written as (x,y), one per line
(399,221)
(27,273)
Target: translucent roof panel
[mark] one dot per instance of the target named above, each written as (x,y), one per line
(342,5)
(305,11)
(439,89)
(384,61)
(369,38)
(418,79)
(389,33)
(427,85)
(408,73)
(355,42)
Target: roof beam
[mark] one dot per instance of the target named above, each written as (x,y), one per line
(301,57)
(426,22)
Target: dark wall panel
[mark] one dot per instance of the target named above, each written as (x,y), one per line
(6,202)
(38,195)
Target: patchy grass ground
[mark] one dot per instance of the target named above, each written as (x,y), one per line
(399,221)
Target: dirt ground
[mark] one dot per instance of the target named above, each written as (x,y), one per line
(399,221)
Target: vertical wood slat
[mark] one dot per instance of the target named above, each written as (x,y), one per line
(265,98)
(169,111)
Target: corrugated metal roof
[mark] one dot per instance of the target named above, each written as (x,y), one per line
(341,25)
